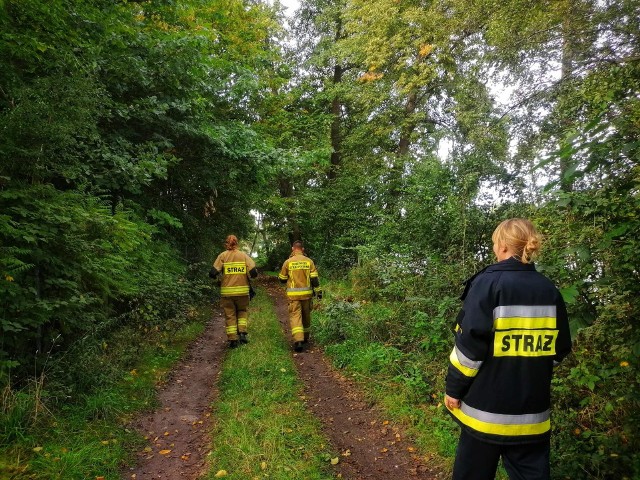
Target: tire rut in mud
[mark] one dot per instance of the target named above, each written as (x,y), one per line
(182,423)
(370,448)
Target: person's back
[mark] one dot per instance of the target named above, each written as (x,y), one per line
(301,276)
(522,329)
(512,329)
(235,266)
(300,269)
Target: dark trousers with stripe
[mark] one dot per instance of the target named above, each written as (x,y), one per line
(478,460)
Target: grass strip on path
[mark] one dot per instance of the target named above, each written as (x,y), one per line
(263,429)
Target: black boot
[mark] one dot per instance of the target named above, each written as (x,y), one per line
(233,343)
(243,337)
(297,346)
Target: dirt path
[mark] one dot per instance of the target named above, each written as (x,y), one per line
(371,448)
(182,423)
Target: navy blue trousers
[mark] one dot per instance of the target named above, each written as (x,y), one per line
(478,460)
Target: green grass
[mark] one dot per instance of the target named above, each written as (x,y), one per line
(397,369)
(262,429)
(390,366)
(87,437)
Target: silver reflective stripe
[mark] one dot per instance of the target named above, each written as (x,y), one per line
(534,311)
(466,361)
(502,419)
(301,289)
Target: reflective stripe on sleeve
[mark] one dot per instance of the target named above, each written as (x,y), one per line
(466,366)
(283,277)
(295,330)
(313,274)
(500,424)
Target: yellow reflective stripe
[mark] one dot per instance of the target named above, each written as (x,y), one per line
(505,323)
(314,275)
(242,322)
(466,371)
(506,429)
(241,290)
(299,293)
(232,329)
(524,317)
(297,330)
(525,343)
(283,277)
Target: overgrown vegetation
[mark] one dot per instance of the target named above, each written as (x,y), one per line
(398,345)
(391,136)
(71,421)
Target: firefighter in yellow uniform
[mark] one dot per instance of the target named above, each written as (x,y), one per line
(301,276)
(235,267)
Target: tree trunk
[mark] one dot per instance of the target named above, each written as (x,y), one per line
(336,107)
(408,125)
(568,53)
(286,191)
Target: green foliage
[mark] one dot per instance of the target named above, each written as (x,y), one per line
(17,414)
(67,262)
(83,433)
(125,140)
(137,135)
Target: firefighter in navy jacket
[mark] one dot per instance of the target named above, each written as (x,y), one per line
(511,332)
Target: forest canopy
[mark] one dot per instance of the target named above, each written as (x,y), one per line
(391,136)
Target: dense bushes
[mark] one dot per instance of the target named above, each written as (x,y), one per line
(394,330)
(69,266)
(123,142)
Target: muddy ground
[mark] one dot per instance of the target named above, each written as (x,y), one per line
(179,431)
(370,447)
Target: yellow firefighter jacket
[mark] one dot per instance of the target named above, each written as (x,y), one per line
(235,267)
(301,276)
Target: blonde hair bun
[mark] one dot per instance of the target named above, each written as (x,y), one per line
(520,236)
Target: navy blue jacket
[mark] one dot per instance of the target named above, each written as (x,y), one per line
(512,330)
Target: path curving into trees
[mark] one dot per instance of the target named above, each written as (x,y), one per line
(370,447)
(178,432)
